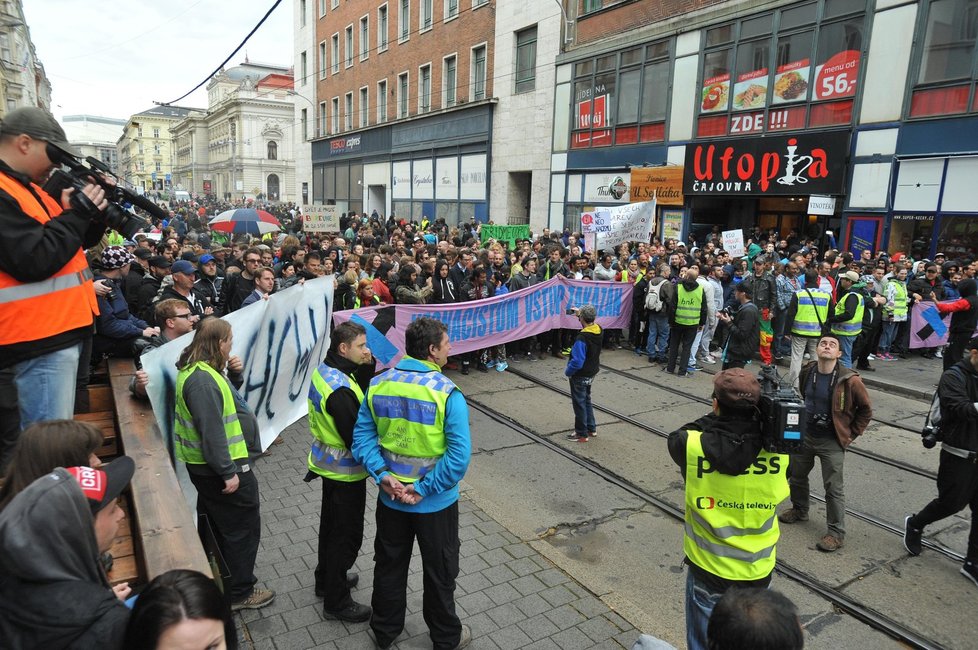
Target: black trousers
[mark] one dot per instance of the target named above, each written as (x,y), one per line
(957,487)
(437,534)
(340,538)
(236,520)
(734,363)
(680,335)
(955,348)
(9,418)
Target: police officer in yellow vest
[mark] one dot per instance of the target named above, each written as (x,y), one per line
(847,317)
(214,433)
(732,488)
(807,317)
(335,395)
(687,315)
(412,436)
(47,301)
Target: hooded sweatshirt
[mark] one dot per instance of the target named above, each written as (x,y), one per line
(585,353)
(965,309)
(53,591)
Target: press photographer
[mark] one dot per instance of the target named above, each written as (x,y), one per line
(47,298)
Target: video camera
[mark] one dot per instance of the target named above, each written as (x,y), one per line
(782,410)
(117,215)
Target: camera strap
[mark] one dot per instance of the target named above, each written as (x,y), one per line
(821,325)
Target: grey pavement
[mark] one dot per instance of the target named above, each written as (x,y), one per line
(509,594)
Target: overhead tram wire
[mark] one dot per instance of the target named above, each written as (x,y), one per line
(224,62)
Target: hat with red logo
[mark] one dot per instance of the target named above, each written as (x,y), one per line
(736,388)
(102,486)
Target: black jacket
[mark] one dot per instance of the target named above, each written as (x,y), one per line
(744,337)
(965,322)
(146,296)
(958,392)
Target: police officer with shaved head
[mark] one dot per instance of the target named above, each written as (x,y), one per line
(730,538)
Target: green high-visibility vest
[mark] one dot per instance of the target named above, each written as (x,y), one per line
(899,309)
(731,524)
(688,305)
(409,410)
(187,443)
(854,325)
(813,311)
(329,455)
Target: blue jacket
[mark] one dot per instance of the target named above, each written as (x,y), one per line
(114,320)
(440,486)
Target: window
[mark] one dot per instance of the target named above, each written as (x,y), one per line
(322,60)
(156,149)
(322,8)
(381,101)
(424,88)
(449,81)
(335,122)
(302,13)
(424,20)
(451,9)
(944,82)
(321,126)
(159,167)
(526,59)
(305,123)
(273,150)
(348,112)
(139,132)
(334,4)
(402,94)
(349,46)
(303,71)
(364,37)
(335,52)
(364,107)
(382,28)
(591,5)
(478,72)
(139,147)
(156,131)
(478,3)
(404,21)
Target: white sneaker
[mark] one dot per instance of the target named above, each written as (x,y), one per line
(939,354)
(710,359)
(871,357)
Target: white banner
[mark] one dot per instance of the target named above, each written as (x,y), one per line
(320,218)
(733,242)
(401,178)
(621,223)
(280,340)
(472,183)
(446,175)
(423,179)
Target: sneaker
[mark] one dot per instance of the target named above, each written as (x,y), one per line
(710,359)
(516,358)
(829,544)
(912,537)
(696,366)
(871,357)
(353,613)
(970,571)
(465,639)
(566,352)
(482,367)
(575,437)
(592,434)
(491,363)
(939,354)
(257,599)
(792,516)
(465,368)
(638,351)
(501,366)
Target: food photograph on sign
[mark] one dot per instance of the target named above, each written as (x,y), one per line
(716,91)
(750,91)
(791,82)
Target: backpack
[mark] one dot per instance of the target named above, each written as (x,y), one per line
(653,301)
(932,423)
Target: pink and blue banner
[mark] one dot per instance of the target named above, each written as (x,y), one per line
(483,323)
(928,328)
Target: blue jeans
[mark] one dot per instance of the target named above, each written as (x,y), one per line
(46,386)
(846,343)
(889,335)
(583,412)
(658,343)
(700,602)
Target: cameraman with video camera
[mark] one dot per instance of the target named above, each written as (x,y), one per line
(957,476)
(47,297)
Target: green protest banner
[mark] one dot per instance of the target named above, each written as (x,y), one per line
(505,234)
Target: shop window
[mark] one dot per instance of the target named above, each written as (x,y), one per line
(911,234)
(945,77)
(622,99)
(958,237)
(749,74)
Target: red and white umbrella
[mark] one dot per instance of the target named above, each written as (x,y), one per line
(245,220)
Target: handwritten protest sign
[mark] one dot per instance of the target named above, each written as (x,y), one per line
(280,340)
(320,218)
(631,222)
(504,233)
(733,242)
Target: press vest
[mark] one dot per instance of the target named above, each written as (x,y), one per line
(899,308)
(409,410)
(854,325)
(186,440)
(688,305)
(813,311)
(32,311)
(329,456)
(731,524)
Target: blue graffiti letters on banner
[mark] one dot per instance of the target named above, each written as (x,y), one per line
(480,320)
(544,304)
(405,408)
(605,298)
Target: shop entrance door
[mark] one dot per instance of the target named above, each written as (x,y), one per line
(863,233)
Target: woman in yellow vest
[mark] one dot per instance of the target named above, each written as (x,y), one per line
(212,427)
(894,312)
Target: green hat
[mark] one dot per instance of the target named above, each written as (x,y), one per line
(39,124)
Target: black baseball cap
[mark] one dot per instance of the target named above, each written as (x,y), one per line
(160,262)
(39,124)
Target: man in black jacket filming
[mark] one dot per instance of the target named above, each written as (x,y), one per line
(957,476)
(744,334)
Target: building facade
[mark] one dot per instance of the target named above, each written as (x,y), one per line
(242,147)
(404,95)
(23,81)
(146,149)
(854,116)
(96,136)
(305,14)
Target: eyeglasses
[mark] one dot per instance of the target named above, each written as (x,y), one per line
(187,316)
(252,261)
(932,271)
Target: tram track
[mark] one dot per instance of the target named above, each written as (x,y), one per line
(867,615)
(862,516)
(907,467)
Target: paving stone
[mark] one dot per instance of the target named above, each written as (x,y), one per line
(542,644)
(267,627)
(598,629)
(532,605)
(572,639)
(294,640)
(539,627)
(510,638)
(503,593)
(303,617)
(557,596)
(565,617)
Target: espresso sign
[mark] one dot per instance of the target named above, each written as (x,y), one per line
(806,163)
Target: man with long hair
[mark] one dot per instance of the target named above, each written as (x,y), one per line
(212,425)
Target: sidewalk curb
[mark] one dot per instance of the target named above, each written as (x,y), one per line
(906,391)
